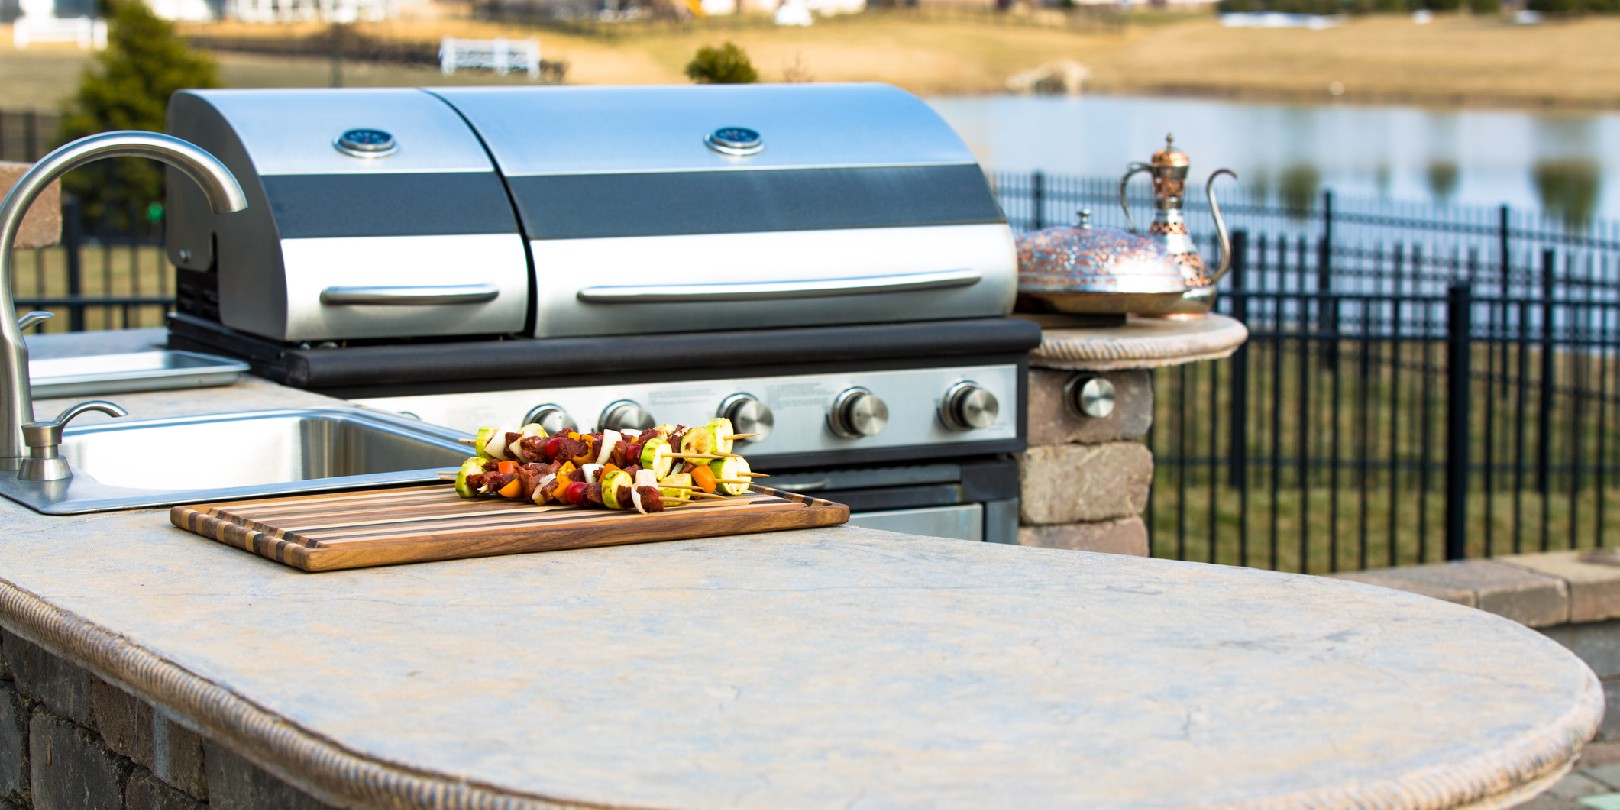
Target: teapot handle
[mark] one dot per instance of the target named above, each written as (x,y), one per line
(1126,181)
(1220,226)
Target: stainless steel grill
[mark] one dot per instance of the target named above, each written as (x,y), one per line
(824,264)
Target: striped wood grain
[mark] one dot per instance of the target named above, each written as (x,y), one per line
(429,522)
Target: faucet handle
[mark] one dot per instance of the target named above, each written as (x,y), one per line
(44,463)
(30,319)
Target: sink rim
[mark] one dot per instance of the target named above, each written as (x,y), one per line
(82,493)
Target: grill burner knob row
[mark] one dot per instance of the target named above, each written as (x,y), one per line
(966,406)
(625,414)
(858,413)
(748,415)
(551,417)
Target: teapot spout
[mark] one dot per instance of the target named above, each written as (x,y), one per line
(1220,226)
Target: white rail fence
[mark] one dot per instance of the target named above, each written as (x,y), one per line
(499,55)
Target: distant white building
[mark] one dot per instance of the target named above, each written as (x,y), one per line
(823,7)
(339,11)
(182,10)
(37,22)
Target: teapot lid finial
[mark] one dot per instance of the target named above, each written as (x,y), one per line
(1169,155)
(1085,218)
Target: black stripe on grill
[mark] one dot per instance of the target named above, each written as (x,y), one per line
(660,204)
(430,204)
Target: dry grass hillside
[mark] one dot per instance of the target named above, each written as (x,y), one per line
(1454,60)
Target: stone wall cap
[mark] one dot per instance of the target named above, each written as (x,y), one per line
(1140,343)
(42,227)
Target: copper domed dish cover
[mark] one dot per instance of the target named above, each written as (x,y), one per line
(1096,271)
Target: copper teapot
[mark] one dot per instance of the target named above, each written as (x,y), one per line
(1168,170)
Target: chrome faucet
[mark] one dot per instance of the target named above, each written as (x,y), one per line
(219,186)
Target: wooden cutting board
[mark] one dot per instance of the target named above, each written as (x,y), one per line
(421,523)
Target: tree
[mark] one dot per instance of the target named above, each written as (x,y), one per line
(727,64)
(128,87)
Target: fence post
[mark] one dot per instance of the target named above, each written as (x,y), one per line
(1503,218)
(1549,265)
(1324,250)
(1037,200)
(1328,311)
(1504,222)
(72,243)
(1459,376)
(1237,451)
(31,136)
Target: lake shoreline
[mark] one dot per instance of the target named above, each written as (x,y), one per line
(1437,102)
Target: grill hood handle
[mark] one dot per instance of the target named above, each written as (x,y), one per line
(411,296)
(780,290)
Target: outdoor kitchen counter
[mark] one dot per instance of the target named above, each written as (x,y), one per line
(802,669)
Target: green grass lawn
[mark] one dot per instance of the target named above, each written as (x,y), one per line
(1315,518)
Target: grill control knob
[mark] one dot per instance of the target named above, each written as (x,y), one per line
(748,415)
(966,406)
(625,414)
(549,416)
(858,413)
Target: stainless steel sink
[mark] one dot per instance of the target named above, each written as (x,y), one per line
(125,464)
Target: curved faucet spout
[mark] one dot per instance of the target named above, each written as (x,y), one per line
(217,182)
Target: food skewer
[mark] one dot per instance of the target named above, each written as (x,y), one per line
(584,469)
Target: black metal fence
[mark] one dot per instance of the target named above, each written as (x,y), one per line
(97,279)
(1418,384)
(26,135)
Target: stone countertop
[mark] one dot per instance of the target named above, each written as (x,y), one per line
(808,668)
(1139,343)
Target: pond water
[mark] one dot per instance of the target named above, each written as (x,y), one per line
(1566,165)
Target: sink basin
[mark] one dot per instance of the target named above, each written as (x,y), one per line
(126,464)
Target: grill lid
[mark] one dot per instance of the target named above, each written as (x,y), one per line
(573,211)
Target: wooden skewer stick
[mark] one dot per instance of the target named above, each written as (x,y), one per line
(754,475)
(742,437)
(696,491)
(467,441)
(693,491)
(695,455)
(730,481)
